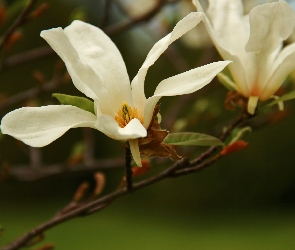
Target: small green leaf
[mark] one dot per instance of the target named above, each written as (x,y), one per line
(80,102)
(226,81)
(192,139)
(286,97)
(239,134)
(79,13)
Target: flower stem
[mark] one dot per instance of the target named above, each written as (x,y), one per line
(128,170)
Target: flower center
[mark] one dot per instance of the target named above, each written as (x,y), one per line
(125,114)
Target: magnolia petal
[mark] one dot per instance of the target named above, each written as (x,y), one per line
(183,26)
(283,66)
(270,24)
(198,6)
(39,126)
(133,130)
(149,109)
(229,24)
(82,76)
(252,104)
(190,81)
(135,152)
(184,83)
(102,55)
(229,35)
(274,21)
(93,61)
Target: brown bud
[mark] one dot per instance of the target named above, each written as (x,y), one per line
(138,171)
(39,76)
(47,246)
(234,147)
(3,12)
(13,39)
(100,183)
(80,193)
(234,100)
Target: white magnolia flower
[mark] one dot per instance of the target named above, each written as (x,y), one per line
(97,69)
(254,43)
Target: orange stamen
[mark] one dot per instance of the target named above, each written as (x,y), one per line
(126,114)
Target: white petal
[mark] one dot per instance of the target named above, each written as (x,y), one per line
(135,152)
(39,126)
(270,24)
(190,81)
(229,32)
(107,125)
(83,76)
(185,83)
(284,65)
(149,109)
(93,61)
(183,26)
(252,104)
(274,21)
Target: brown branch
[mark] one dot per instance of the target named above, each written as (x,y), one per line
(240,120)
(31,93)
(179,168)
(36,158)
(127,24)
(88,156)
(27,173)
(27,56)
(18,22)
(128,169)
(106,17)
(110,30)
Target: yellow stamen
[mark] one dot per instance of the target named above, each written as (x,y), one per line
(126,114)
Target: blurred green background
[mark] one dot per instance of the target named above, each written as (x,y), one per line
(244,201)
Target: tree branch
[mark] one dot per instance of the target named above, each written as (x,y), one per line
(31,93)
(27,173)
(18,22)
(127,24)
(179,168)
(27,56)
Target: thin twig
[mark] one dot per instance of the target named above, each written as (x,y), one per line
(47,51)
(241,119)
(27,56)
(26,173)
(89,146)
(31,93)
(18,22)
(107,10)
(129,23)
(128,170)
(179,168)
(36,158)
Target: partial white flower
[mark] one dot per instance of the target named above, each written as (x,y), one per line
(254,44)
(138,8)
(97,69)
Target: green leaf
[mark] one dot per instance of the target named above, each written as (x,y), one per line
(286,97)
(80,102)
(226,81)
(239,133)
(192,139)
